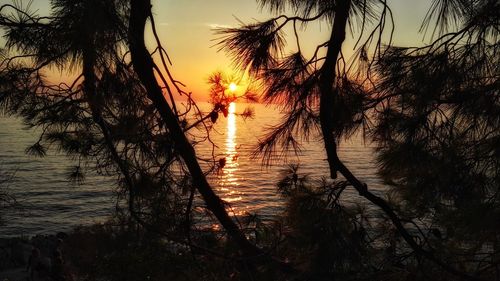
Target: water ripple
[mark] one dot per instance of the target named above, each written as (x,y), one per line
(52,204)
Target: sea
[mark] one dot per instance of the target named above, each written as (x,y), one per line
(47,202)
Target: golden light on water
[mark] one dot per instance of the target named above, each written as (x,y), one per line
(231,129)
(229,181)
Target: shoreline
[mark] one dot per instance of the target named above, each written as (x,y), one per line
(15,253)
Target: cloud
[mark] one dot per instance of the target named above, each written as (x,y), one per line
(217,26)
(207,24)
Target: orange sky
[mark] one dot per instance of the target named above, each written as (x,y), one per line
(186,30)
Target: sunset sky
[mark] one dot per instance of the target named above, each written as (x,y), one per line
(186,29)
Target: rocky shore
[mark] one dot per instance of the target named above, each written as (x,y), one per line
(15,255)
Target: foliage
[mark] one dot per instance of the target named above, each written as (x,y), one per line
(292,80)
(325,238)
(432,112)
(102,117)
(118,251)
(438,126)
(110,117)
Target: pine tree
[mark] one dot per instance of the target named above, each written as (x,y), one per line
(114,112)
(432,110)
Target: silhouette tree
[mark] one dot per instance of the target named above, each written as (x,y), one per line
(431,110)
(114,112)
(437,124)
(221,96)
(144,67)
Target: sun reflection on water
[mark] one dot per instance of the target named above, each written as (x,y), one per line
(229,182)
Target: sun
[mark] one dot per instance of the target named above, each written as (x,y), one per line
(232,87)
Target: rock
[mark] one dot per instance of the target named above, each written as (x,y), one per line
(20,252)
(61,235)
(15,252)
(17,274)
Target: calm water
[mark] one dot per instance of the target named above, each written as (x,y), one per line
(52,204)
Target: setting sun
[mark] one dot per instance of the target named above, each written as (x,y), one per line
(249,140)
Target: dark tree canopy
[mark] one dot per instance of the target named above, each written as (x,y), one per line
(106,117)
(433,112)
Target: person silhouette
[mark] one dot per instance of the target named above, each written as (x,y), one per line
(34,264)
(57,270)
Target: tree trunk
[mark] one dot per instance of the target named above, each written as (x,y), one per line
(90,93)
(328,96)
(143,66)
(328,91)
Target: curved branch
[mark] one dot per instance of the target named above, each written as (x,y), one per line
(143,66)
